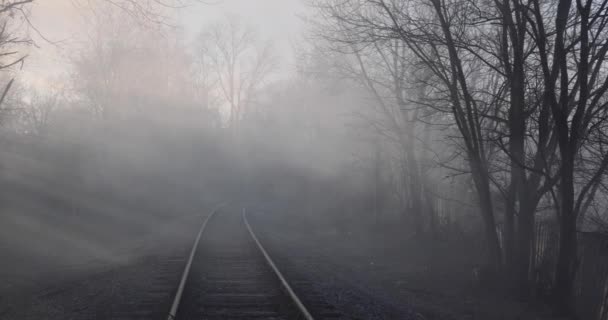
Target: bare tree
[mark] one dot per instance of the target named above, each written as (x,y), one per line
(239,62)
(381,69)
(127,68)
(15,23)
(13,38)
(525,85)
(434,45)
(572,45)
(36,111)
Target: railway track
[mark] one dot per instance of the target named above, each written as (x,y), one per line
(229,275)
(226,274)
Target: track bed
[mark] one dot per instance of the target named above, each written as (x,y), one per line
(230,278)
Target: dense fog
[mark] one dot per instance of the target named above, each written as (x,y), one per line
(463,140)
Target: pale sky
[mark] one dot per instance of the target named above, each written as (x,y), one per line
(59,20)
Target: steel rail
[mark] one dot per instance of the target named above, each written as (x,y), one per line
(182,283)
(303,310)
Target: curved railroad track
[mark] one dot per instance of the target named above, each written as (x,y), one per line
(230,275)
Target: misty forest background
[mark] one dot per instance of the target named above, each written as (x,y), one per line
(472,130)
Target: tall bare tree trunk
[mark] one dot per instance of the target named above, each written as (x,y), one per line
(566,260)
(482,183)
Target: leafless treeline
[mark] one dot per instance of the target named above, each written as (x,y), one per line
(505,97)
(520,83)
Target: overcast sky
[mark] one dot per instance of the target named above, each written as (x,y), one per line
(59,20)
